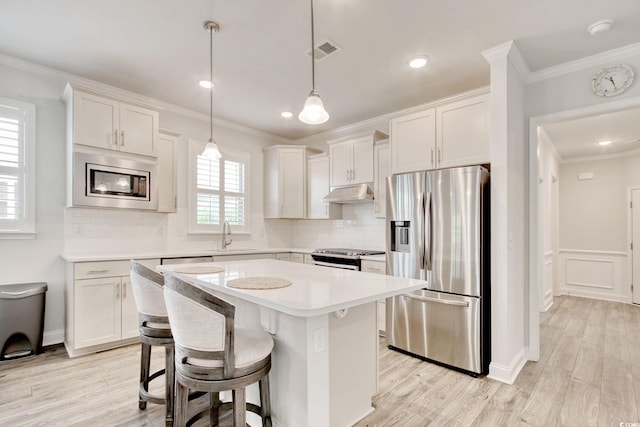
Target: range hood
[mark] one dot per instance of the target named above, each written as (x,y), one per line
(352,194)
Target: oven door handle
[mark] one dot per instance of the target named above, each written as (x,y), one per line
(342,266)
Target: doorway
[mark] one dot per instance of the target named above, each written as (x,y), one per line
(634,235)
(538,240)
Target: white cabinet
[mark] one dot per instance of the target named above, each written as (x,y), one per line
(381,170)
(377,267)
(351,161)
(297,257)
(109,123)
(101,310)
(285,256)
(285,181)
(462,132)
(413,140)
(449,135)
(167,171)
(318,188)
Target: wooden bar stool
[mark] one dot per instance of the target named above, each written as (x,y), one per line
(147,287)
(212,355)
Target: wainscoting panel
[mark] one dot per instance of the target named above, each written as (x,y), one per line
(594,274)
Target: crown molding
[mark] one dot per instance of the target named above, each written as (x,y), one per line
(24,65)
(614,55)
(619,155)
(510,51)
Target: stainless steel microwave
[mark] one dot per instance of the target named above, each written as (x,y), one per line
(113,182)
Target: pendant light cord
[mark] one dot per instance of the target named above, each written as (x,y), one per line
(211,82)
(313,56)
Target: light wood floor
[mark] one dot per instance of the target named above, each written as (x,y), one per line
(588,374)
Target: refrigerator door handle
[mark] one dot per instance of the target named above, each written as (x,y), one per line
(438,300)
(429,240)
(422,254)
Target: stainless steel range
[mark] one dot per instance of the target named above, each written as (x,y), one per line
(349,259)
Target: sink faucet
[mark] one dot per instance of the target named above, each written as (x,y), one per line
(226,235)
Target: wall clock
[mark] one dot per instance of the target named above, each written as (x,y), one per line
(612,80)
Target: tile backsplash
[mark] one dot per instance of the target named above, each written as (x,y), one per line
(91,231)
(358,229)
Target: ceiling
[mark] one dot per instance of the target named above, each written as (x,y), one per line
(158,48)
(579,137)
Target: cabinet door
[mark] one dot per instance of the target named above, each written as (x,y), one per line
(340,166)
(95,121)
(318,188)
(129,310)
(138,130)
(362,160)
(292,183)
(167,198)
(463,133)
(413,140)
(382,169)
(97,311)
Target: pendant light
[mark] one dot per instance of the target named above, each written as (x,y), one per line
(211,150)
(313,112)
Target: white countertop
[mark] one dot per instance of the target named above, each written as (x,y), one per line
(314,290)
(178,254)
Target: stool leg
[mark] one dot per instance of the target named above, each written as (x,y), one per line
(170,383)
(265,401)
(181,402)
(214,417)
(239,408)
(145,361)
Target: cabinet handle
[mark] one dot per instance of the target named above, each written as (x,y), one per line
(326,209)
(124,290)
(432,157)
(115,136)
(439,156)
(97,271)
(348,175)
(122,138)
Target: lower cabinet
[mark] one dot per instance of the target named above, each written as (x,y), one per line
(378,267)
(101,310)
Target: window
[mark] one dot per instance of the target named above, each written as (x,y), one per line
(218,190)
(17,169)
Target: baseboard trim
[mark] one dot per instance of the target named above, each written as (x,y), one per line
(594,295)
(53,337)
(508,373)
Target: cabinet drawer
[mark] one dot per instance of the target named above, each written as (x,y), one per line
(373,266)
(97,269)
(297,257)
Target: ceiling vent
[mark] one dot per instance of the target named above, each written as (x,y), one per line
(324,49)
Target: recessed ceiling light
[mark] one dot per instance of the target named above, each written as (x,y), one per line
(600,27)
(286,114)
(418,62)
(205,84)
(604,142)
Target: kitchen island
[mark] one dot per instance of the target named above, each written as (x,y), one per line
(324,362)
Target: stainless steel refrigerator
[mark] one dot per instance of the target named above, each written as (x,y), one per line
(438,231)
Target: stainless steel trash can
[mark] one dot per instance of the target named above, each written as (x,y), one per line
(21,320)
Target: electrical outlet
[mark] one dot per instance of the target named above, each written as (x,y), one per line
(319,340)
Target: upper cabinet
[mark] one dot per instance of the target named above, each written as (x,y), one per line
(285,181)
(167,172)
(351,160)
(449,135)
(381,170)
(108,123)
(318,188)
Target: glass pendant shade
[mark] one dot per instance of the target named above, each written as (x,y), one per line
(313,112)
(211,151)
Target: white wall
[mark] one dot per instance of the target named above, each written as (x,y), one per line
(548,211)
(509,233)
(593,226)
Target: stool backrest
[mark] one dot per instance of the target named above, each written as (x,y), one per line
(202,326)
(147,289)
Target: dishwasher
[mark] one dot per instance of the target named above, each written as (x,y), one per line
(186,260)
